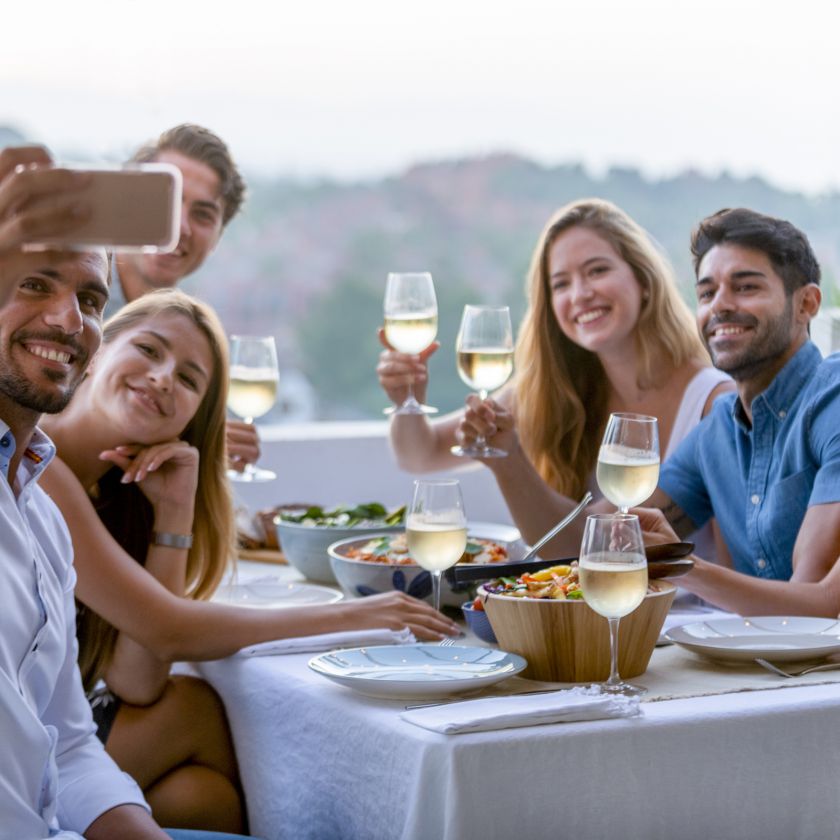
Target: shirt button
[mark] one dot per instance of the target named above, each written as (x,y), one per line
(761,563)
(783,414)
(755,498)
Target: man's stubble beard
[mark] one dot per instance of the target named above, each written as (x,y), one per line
(20,390)
(764,350)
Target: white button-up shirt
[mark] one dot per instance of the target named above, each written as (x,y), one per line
(55,777)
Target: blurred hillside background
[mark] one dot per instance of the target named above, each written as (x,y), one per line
(307,259)
(378,136)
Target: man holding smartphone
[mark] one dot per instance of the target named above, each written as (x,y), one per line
(55,778)
(213,193)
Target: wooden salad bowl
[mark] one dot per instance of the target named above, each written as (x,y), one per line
(567,641)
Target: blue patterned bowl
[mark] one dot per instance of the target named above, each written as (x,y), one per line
(478,622)
(362,577)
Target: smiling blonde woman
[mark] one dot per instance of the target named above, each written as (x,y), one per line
(605,330)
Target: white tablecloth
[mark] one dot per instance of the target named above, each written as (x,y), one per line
(319,761)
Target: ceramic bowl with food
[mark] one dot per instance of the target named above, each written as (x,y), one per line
(368,566)
(567,641)
(477,621)
(304,543)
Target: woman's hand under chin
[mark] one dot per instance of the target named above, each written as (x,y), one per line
(167,473)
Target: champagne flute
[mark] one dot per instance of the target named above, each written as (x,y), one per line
(485,362)
(436,528)
(252,389)
(411,320)
(613,577)
(628,461)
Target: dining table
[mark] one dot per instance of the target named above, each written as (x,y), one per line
(718,751)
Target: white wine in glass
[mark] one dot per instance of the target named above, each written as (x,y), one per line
(613,578)
(484,356)
(628,461)
(410,323)
(252,390)
(436,528)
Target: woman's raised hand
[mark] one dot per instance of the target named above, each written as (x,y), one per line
(167,473)
(490,419)
(396,370)
(396,610)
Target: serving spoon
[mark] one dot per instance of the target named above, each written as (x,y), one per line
(480,572)
(566,520)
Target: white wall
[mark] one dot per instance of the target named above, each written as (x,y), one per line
(333,463)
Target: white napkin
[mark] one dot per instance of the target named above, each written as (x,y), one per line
(331,641)
(579,703)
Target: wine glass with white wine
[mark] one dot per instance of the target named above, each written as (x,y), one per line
(484,350)
(253,389)
(613,578)
(411,321)
(436,528)
(628,461)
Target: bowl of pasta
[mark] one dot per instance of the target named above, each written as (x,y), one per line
(382,562)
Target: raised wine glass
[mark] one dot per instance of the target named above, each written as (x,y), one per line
(484,350)
(436,528)
(253,389)
(411,320)
(628,461)
(613,577)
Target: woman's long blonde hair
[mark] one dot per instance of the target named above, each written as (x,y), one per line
(561,388)
(213,523)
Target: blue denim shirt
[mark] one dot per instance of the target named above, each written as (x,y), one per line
(758,481)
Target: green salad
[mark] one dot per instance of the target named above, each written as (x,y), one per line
(371,514)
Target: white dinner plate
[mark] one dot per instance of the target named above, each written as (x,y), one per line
(270,594)
(775,638)
(422,670)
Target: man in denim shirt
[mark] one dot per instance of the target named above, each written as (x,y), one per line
(766,462)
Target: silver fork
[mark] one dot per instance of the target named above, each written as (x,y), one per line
(828,666)
(447,642)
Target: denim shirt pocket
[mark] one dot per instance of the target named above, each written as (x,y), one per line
(781,518)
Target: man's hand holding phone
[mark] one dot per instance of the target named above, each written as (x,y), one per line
(37,199)
(137,208)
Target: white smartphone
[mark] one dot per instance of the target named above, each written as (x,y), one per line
(135,208)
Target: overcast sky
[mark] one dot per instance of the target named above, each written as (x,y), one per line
(355,88)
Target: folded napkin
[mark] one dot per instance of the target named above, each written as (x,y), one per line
(331,641)
(579,703)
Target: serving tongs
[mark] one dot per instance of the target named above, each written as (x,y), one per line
(664,560)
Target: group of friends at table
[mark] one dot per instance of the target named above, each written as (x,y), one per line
(118,516)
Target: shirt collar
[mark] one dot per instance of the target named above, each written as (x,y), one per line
(786,385)
(36,457)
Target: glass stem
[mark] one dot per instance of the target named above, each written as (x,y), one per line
(436,589)
(480,441)
(614,677)
(249,469)
(409,397)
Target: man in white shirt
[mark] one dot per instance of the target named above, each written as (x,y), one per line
(55,778)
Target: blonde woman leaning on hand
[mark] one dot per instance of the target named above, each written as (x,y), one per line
(140,480)
(605,330)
